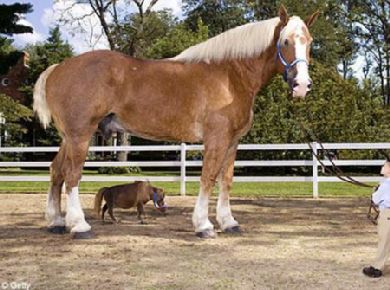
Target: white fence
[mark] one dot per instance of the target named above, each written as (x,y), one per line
(184,163)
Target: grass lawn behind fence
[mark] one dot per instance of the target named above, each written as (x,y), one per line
(249,189)
(264,189)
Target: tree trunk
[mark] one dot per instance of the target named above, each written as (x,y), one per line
(123,140)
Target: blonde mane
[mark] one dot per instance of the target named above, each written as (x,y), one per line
(241,42)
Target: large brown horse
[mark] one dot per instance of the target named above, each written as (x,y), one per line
(206,93)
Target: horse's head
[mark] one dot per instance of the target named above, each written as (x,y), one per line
(158,198)
(293,51)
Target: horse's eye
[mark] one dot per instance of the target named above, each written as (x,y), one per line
(286,42)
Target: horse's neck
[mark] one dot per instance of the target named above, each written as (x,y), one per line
(254,73)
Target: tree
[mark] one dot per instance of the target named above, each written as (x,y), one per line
(15,114)
(139,33)
(218,16)
(112,19)
(372,31)
(176,40)
(53,50)
(10,15)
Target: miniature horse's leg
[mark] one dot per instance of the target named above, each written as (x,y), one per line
(105,207)
(216,147)
(224,215)
(140,213)
(111,213)
(56,223)
(76,152)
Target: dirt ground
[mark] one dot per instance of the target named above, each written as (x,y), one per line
(286,244)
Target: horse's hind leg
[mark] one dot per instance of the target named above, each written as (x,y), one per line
(56,223)
(75,154)
(224,215)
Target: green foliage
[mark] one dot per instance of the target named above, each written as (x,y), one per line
(8,57)
(53,50)
(372,37)
(14,113)
(119,170)
(337,110)
(218,16)
(177,40)
(136,34)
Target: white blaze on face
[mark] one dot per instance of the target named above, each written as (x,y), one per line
(302,78)
(295,27)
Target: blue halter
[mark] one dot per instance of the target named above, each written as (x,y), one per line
(287,66)
(155,201)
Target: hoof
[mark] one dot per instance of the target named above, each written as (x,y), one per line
(233,230)
(58,230)
(83,235)
(209,234)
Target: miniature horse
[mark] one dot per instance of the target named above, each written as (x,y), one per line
(206,93)
(129,195)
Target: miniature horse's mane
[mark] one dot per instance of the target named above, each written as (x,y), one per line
(240,42)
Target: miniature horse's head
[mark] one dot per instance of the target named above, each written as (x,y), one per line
(157,195)
(293,51)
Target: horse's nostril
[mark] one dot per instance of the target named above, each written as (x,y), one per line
(295,84)
(309,86)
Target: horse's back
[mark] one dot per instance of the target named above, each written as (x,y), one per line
(127,195)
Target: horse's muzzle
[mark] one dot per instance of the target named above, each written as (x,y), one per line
(301,88)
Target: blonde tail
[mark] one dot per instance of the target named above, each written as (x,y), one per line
(98,201)
(40,104)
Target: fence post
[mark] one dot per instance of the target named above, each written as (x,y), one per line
(183,177)
(315,170)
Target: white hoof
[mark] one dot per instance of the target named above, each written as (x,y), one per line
(202,226)
(57,221)
(81,227)
(227,222)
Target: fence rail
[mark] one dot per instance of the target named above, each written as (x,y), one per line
(183,163)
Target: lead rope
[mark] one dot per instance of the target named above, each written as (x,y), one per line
(373,211)
(336,170)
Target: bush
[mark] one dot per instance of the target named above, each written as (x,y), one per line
(119,170)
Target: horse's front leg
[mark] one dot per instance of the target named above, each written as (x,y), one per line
(213,158)
(224,215)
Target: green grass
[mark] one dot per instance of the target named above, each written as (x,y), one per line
(265,189)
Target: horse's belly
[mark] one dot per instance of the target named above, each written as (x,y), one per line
(191,135)
(155,129)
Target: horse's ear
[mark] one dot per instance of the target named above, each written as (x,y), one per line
(283,15)
(312,18)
